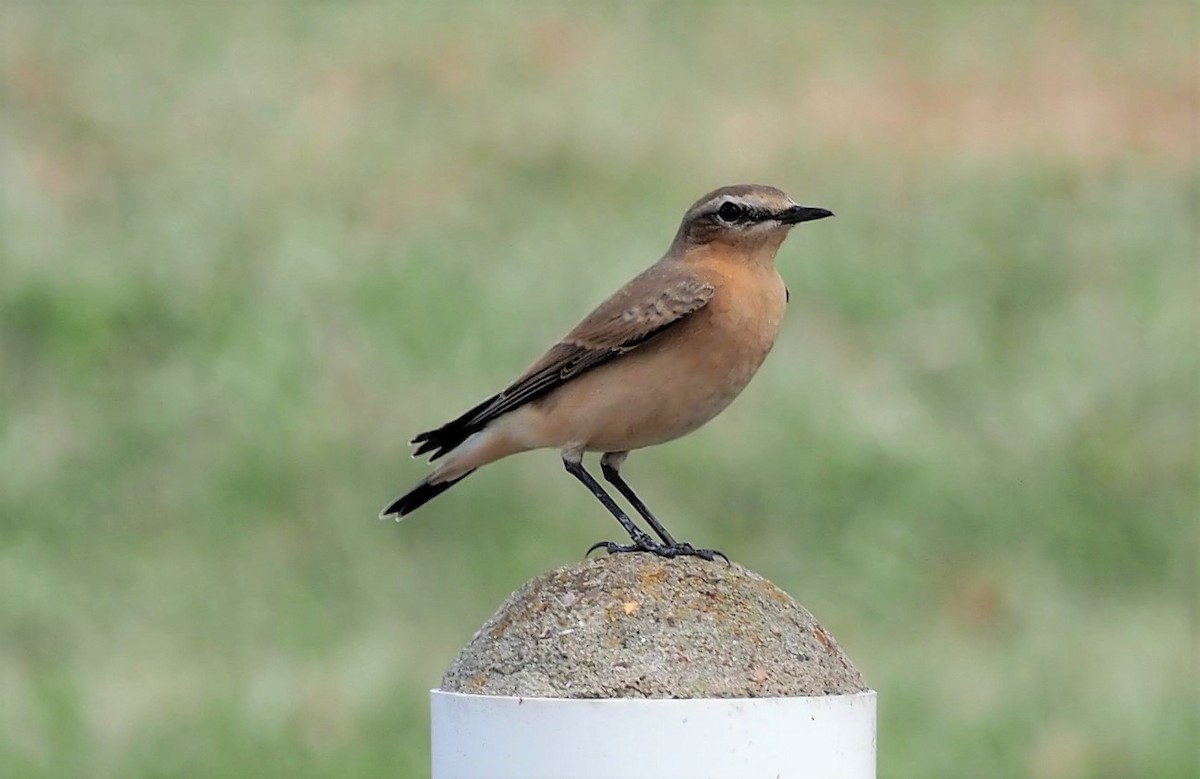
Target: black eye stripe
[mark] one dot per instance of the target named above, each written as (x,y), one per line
(731,211)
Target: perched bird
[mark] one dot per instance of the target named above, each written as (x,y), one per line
(658,359)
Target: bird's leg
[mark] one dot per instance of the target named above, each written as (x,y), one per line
(641,541)
(610,466)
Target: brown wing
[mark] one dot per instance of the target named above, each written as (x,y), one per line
(643,308)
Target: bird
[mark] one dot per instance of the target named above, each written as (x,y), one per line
(659,358)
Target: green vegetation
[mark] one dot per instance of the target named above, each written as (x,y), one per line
(250,249)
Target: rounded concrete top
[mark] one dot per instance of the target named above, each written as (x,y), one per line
(639,626)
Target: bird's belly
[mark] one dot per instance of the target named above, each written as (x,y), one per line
(635,419)
(658,392)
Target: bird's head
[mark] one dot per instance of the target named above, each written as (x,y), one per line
(744,215)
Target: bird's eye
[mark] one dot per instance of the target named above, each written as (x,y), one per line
(731,212)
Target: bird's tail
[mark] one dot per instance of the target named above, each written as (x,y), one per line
(479,449)
(418,496)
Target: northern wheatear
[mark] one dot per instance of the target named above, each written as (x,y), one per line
(655,361)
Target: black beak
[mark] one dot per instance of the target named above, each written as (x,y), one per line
(798,214)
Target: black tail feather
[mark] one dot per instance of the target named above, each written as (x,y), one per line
(418,496)
(446,438)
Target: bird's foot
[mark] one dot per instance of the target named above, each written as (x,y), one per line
(662,550)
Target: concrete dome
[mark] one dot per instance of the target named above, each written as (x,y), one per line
(639,626)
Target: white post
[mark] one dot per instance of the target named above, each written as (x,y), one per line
(632,666)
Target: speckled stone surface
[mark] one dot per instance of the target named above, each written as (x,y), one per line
(639,626)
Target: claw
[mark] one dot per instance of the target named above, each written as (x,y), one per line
(662,550)
(609,546)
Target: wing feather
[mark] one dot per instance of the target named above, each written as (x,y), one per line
(642,309)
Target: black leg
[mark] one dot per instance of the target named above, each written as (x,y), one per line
(613,476)
(610,465)
(641,541)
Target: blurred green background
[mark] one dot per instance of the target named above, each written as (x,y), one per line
(250,249)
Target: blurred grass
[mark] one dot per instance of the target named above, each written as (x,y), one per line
(249,250)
